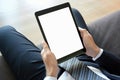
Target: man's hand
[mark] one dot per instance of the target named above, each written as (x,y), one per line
(50,61)
(91,48)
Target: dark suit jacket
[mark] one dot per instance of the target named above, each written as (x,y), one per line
(108,63)
(111,64)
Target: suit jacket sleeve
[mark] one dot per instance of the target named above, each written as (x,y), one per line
(109,62)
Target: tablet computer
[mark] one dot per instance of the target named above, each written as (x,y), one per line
(60,31)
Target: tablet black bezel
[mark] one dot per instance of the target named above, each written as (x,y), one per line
(58,7)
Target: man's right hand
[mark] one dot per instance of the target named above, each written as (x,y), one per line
(50,61)
(91,48)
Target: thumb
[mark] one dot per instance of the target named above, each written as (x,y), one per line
(45,46)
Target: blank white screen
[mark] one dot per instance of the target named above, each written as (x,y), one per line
(61,33)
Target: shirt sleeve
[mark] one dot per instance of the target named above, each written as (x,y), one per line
(50,78)
(64,76)
(99,54)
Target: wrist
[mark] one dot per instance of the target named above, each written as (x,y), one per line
(96,52)
(99,54)
(53,73)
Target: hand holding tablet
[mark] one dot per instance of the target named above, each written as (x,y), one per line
(60,31)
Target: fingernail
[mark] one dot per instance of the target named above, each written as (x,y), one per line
(42,51)
(80,28)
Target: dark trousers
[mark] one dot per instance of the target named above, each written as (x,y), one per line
(22,55)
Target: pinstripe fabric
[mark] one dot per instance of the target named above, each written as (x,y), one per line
(79,70)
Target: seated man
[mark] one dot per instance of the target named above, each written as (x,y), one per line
(26,62)
(106,60)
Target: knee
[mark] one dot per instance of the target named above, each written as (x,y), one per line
(5,30)
(75,11)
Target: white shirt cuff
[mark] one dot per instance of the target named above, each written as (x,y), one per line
(64,76)
(99,54)
(50,78)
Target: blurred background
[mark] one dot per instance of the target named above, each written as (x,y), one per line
(20,13)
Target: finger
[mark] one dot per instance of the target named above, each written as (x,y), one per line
(81,31)
(45,46)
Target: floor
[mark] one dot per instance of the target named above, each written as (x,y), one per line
(20,13)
